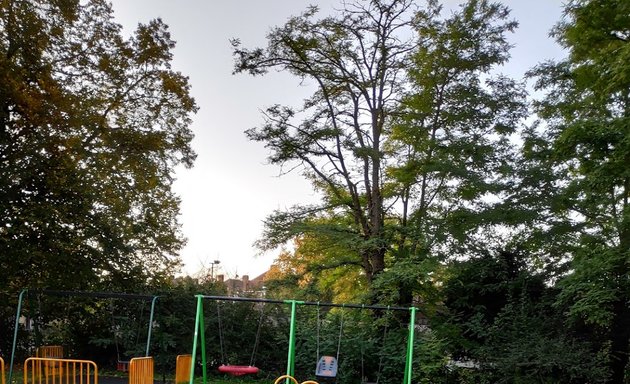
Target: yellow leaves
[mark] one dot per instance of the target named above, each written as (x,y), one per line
(315,266)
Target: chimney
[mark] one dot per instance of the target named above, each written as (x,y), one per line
(245,282)
(220,278)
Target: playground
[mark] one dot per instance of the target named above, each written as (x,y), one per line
(62,337)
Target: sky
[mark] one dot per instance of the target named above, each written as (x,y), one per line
(231,189)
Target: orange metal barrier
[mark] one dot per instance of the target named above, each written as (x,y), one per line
(50,352)
(53,351)
(39,370)
(182,369)
(2,370)
(141,370)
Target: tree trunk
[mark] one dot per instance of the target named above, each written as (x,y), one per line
(620,340)
(620,326)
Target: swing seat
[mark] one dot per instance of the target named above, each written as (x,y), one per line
(326,368)
(122,366)
(238,370)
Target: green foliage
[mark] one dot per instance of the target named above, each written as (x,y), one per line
(431,353)
(91,127)
(504,319)
(452,137)
(355,59)
(406,136)
(319,269)
(412,274)
(589,291)
(478,289)
(584,147)
(526,345)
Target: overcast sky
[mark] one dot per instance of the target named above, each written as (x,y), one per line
(231,189)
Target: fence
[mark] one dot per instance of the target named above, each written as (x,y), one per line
(40,370)
(50,351)
(141,370)
(182,368)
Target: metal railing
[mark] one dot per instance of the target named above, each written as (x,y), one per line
(141,370)
(2,370)
(182,368)
(50,351)
(41,370)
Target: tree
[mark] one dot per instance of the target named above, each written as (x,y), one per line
(450,143)
(91,128)
(356,61)
(348,138)
(583,143)
(316,270)
(501,315)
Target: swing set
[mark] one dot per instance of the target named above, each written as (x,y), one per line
(238,370)
(123,357)
(327,366)
(55,293)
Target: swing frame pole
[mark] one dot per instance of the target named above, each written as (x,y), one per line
(153,301)
(410,342)
(199,333)
(291,353)
(15,332)
(101,295)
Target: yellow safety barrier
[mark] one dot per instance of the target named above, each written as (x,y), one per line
(50,352)
(2,370)
(53,351)
(182,368)
(141,370)
(289,377)
(39,370)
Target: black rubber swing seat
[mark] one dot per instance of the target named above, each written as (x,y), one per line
(326,367)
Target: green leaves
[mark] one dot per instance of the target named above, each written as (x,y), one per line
(91,126)
(355,59)
(595,285)
(585,146)
(451,140)
(406,138)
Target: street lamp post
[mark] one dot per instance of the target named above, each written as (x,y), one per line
(216,262)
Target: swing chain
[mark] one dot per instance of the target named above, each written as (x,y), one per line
(252,360)
(380,358)
(220,333)
(318,325)
(318,332)
(340,334)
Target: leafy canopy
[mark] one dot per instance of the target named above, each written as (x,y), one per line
(91,127)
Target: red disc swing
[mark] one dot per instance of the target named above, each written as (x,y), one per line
(238,370)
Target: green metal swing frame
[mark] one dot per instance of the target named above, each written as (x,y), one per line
(199,339)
